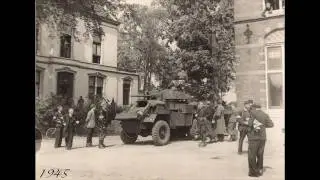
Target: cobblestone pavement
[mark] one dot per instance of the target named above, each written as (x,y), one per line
(179,160)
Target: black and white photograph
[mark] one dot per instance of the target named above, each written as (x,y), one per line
(159,89)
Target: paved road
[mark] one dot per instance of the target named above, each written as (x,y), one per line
(180,160)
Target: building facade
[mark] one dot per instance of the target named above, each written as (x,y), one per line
(74,66)
(259,36)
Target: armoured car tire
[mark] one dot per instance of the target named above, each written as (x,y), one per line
(161,133)
(128,139)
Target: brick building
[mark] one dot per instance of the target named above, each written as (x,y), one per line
(260,50)
(84,67)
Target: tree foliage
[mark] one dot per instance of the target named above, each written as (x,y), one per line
(204,32)
(57,13)
(140,45)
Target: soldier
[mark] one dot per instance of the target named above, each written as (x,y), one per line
(203,124)
(102,126)
(58,119)
(257,139)
(219,118)
(90,124)
(243,125)
(71,122)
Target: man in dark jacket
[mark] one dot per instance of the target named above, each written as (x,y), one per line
(257,136)
(243,125)
(71,123)
(60,123)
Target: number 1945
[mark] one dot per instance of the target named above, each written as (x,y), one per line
(58,173)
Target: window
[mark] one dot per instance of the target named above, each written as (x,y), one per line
(65,81)
(274,4)
(275,89)
(275,76)
(95,86)
(274,58)
(126,92)
(96,49)
(37,39)
(65,46)
(38,73)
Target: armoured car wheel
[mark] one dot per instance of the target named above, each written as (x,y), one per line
(128,138)
(161,133)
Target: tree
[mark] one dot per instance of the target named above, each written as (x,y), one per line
(56,13)
(140,47)
(204,32)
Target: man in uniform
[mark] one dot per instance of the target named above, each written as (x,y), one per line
(258,123)
(243,125)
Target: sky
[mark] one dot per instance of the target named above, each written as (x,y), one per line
(142,2)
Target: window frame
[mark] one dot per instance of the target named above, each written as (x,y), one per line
(276,12)
(38,39)
(63,34)
(95,50)
(267,72)
(38,83)
(126,82)
(96,84)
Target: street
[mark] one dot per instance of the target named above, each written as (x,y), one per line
(179,160)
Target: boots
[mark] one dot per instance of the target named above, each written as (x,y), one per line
(101,145)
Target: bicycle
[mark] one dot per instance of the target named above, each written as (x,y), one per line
(50,133)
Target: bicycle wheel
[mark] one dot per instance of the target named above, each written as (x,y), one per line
(50,132)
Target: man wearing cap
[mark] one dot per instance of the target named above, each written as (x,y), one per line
(258,123)
(243,125)
(250,103)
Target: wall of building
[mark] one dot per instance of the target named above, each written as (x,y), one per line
(112,84)
(251,70)
(82,47)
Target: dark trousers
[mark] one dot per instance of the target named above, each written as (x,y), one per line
(89,135)
(243,133)
(102,133)
(59,135)
(69,138)
(255,156)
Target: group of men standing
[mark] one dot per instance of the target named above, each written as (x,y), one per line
(252,123)
(96,118)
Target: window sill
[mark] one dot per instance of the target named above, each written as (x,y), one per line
(278,12)
(275,107)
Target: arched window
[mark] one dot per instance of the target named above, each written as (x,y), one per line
(275,69)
